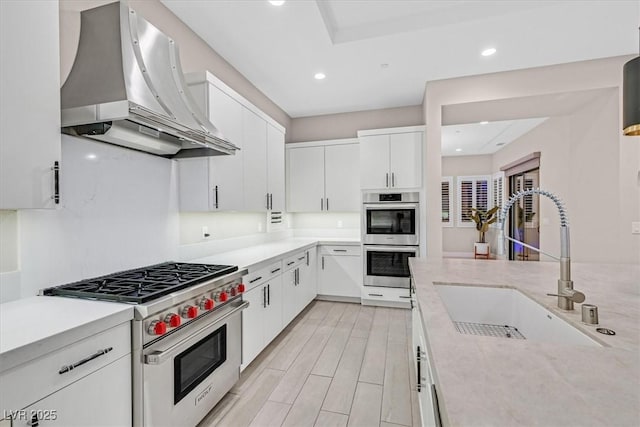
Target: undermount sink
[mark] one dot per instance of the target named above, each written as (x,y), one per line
(507,313)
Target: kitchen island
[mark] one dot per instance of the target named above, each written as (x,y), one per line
(500,382)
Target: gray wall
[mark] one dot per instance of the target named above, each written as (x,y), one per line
(346,125)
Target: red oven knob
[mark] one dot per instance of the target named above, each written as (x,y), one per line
(157,327)
(233,291)
(223,296)
(241,288)
(173,320)
(189,312)
(207,304)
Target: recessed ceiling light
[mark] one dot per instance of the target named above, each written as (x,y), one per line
(319,76)
(276,2)
(458,149)
(384,65)
(489,52)
(484,122)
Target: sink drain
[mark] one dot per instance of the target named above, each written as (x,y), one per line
(606,331)
(487,330)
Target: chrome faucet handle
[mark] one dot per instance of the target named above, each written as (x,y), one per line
(571,295)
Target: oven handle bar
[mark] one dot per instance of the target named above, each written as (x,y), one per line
(159,357)
(380,248)
(385,206)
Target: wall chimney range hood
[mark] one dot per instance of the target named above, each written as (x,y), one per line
(126,87)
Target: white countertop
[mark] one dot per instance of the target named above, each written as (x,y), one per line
(490,381)
(32,327)
(261,254)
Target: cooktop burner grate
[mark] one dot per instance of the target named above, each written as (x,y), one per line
(142,284)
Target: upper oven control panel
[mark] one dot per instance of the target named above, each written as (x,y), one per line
(404,197)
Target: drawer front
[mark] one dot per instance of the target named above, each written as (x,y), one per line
(36,379)
(258,277)
(354,250)
(386,294)
(294,260)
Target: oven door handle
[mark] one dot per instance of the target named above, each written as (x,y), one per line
(386,206)
(159,357)
(379,248)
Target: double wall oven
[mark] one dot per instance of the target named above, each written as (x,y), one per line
(390,236)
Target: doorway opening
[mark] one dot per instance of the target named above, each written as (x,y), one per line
(524,224)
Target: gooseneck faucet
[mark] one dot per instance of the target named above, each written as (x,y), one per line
(566,294)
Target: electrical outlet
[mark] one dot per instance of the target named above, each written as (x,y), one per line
(635,227)
(205,232)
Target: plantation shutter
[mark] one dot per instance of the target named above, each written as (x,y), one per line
(473,192)
(447,201)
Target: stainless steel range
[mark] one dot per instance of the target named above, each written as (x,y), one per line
(186,337)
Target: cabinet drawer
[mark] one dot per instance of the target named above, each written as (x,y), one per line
(354,250)
(34,380)
(392,297)
(258,277)
(294,260)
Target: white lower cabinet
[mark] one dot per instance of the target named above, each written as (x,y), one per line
(299,285)
(262,320)
(388,297)
(340,271)
(102,398)
(429,412)
(69,386)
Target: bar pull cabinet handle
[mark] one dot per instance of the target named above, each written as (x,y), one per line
(264,297)
(275,271)
(268,295)
(301,258)
(307,257)
(376,295)
(215,190)
(321,204)
(339,250)
(419,374)
(256,279)
(323,263)
(56,182)
(68,368)
(271,201)
(387,180)
(267,197)
(393,179)
(289,263)
(327,203)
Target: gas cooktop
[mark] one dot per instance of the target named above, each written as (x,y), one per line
(142,284)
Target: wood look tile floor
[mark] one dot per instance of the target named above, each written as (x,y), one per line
(336,364)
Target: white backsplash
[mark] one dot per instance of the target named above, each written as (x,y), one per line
(325,224)
(118,210)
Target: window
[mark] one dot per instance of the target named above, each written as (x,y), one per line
(473,192)
(447,201)
(497,188)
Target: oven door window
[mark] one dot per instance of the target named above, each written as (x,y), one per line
(388,264)
(195,364)
(391,221)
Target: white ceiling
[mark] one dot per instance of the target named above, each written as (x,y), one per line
(279,49)
(473,139)
(507,119)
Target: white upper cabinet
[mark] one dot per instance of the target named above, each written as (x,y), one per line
(254,162)
(342,190)
(305,179)
(240,182)
(275,168)
(323,176)
(391,158)
(29,104)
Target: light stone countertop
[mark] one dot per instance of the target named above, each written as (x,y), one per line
(34,326)
(498,382)
(256,256)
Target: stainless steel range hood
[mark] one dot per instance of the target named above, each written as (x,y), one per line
(126,87)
